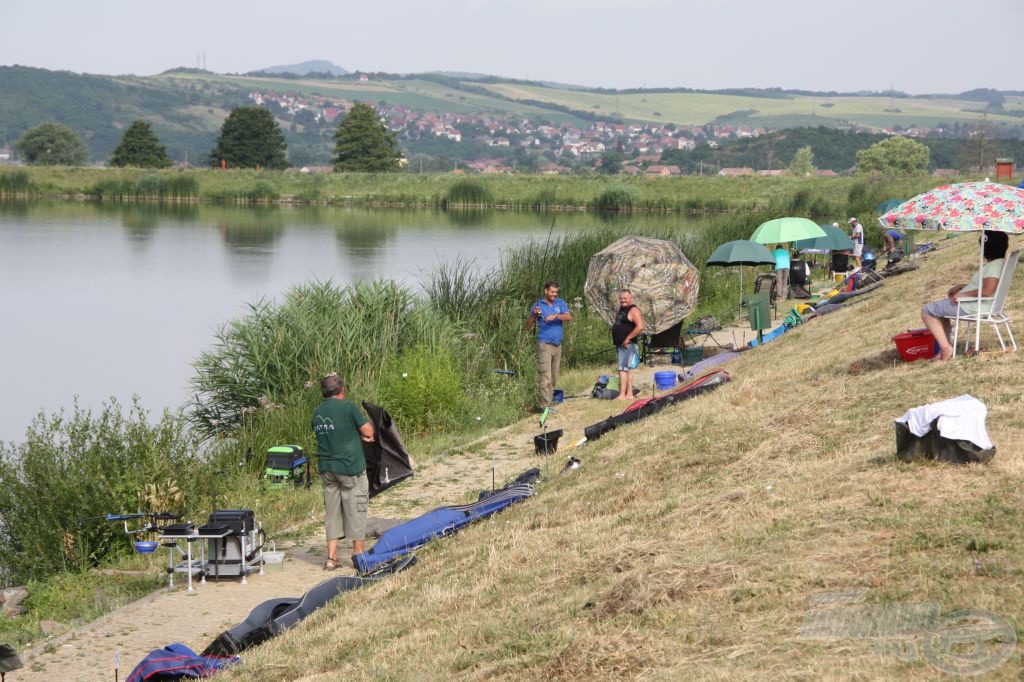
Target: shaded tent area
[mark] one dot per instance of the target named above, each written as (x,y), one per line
(405,538)
(648,406)
(273,617)
(387,461)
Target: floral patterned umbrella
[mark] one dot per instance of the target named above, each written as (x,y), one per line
(963,207)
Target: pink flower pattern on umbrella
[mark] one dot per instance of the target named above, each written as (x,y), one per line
(963,207)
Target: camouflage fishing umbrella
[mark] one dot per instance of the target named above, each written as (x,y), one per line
(664,283)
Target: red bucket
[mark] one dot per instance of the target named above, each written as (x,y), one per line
(916,344)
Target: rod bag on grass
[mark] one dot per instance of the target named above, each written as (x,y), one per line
(648,406)
(177,661)
(409,536)
(274,616)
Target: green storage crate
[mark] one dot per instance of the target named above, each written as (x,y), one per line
(692,355)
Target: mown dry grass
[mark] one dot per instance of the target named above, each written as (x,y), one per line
(688,547)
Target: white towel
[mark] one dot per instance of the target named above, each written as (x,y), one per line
(960,418)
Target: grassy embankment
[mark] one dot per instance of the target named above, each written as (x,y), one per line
(689,547)
(685,193)
(255,384)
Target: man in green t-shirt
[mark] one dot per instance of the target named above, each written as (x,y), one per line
(340,428)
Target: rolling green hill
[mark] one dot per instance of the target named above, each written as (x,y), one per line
(698,108)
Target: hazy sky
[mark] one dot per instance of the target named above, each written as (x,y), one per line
(915,45)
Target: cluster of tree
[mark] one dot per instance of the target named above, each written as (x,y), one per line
(249,138)
(838,149)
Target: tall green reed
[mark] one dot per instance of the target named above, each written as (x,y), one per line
(73,468)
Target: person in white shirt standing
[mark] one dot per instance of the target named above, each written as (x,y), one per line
(857,235)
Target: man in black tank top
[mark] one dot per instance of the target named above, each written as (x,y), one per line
(629,323)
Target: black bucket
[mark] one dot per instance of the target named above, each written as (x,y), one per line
(546,443)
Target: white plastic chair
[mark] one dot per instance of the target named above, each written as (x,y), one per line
(995,315)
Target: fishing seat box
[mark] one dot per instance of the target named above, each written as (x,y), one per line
(240,521)
(283,457)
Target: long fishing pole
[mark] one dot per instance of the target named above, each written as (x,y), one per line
(547,243)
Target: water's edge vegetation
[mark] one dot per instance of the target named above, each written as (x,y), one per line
(446,190)
(429,358)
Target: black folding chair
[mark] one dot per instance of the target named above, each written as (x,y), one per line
(767,283)
(662,343)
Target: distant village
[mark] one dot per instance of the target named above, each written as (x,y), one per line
(642,145)
(561,148)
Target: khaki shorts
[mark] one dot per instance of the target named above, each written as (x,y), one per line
(346,501)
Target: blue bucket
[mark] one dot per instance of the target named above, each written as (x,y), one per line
(146,546)
(664,380)
(558,396)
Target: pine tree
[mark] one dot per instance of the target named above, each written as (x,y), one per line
(364,144)
(140,147)
(250,137)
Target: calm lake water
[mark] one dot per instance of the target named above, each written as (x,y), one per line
(115,300)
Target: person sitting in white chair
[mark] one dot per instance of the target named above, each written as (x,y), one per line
(964,296)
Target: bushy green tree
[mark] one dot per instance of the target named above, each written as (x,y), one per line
(896,155)
(52,144)
(611,163)
(140,147)
(250,137)
(364,144)
(803,162)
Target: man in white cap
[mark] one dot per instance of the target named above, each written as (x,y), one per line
(857,235)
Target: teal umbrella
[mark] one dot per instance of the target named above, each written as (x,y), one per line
(888,205)
(834,240)
(784,230)
(741,252)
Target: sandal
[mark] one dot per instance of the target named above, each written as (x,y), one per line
(331,565)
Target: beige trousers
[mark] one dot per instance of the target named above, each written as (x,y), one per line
(346,502)
(549,358)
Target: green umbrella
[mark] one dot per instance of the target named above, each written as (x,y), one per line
(784,230)
(741,252)
(834,240)
(888,205)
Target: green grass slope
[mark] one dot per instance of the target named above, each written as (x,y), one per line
(692,108)
(185,115)
(689,547)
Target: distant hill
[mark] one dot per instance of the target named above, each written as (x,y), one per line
(186,114)
(187,106)
(312,66)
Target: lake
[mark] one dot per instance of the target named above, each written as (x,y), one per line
(111,300)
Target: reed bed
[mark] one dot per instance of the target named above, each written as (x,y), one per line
(516,191)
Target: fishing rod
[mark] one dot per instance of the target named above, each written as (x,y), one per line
(547,243)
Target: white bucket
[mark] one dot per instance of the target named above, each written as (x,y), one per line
(273,560)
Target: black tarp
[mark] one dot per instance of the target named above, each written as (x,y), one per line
(387,461)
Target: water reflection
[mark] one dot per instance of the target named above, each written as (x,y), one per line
(254,231)
(144,286)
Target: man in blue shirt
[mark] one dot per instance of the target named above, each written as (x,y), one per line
(889,241)
(548,315)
